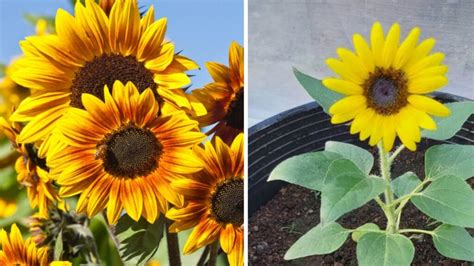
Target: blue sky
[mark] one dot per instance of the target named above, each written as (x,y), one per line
(203,29)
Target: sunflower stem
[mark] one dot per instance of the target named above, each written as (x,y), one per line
(204,255)
(385,165)
(111,230)
(214,251)
(396,153)
(174,255)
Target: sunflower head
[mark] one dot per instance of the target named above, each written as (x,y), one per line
(214,199)
(32,170)
(93,49)
(224,98)
(16,251)
(119,153)
(384,85)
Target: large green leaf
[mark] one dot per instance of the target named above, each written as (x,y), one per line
(449,159)
(58,247)
(449,126)
(308,170)
(454,242)
(140,240)
(347,188)
(384,249)
(108,253)
(405,184)
(448,199)
(316,90)
(360,157)
(317,241)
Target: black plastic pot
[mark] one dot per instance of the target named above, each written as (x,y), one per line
(303,129)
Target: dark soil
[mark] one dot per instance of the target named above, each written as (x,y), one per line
(295,210)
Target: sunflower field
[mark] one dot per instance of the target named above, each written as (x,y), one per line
(108,154)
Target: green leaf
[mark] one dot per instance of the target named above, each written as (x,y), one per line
(449,159)
(449,126)
(139,240)
(317,241)
(307,170)
(58,246)
(405,184)
(364,229)
(360,157)
(454,242)
(384,249)
(448,199)
(347,188)
(316,90)
(108,253)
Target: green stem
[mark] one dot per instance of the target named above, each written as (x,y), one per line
(385,166)
(416,231)
(213,255)
(396,153)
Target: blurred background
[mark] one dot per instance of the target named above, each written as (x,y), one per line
(202,29)
(303,33)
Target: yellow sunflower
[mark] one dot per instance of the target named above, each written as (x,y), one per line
(32,171)
(224,98)
(7,208)
(91,50)
(120,154)
(384,86)
(16,251)
(215,198)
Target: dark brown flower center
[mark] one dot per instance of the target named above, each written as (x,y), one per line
(227,202)
(33,157)
(235,112)
(386,90)
(105,70)
(130,152)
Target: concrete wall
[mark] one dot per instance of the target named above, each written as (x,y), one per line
(303,33)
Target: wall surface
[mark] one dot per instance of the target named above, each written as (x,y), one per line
(303,33)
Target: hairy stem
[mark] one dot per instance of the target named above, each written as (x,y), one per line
(416,231)
(396,153)
(385,166)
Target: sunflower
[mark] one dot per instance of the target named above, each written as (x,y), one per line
(91,50)
(7,208)
(16,251)
(32,171)
(224,98)
(215,198)
(120,154)
(384,86)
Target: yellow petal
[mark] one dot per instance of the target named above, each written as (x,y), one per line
(377,130)
(389,132)
(227,238)
(426,85)
(429,105)
(377,41)
(342,86)
(420,52)
(344,70)
(348,104)
(352,60)
(363,51)
(391,45)
(407,48)
(428,61)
